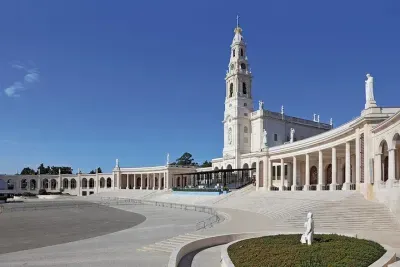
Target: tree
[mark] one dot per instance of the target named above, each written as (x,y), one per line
(206,164)
(185,160)
(94,171)
(54,170)
(27,171)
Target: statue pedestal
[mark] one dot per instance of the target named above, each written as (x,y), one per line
(370,104)
(320,187)
(332,187)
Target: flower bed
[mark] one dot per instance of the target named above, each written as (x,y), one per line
(286,250)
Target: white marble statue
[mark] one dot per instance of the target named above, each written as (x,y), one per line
(282,110)
(307,237)
(261,105)
(331,122)
(265,138)
(167,159)
(315,117)
(116,163)
(292,131)
(369,88)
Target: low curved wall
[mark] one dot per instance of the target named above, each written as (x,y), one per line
(48,196)
(387,258)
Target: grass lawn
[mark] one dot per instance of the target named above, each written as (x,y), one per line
(286,250)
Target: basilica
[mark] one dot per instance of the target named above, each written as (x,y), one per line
(283,152)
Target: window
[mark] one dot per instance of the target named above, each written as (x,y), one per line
(245,104)
(246,130)
(275,137)
(243,66)
(273,171)
(231,90)
(244,89)
(24,184)
(245,114)
(65,183)
(241,52)
(109,182)
(233,53)
(73,183)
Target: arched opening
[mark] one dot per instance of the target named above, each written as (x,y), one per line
(156,182)
(53,184)
(24,184)
(246,174)
(233,53)
(313,175)
(91,183)
(10,185)
(102,182)
(84,183)
(384,161)
(241,52)
(138,182)
(231,90)
(73,183)
(109,182)
(245,129)
(32,184)
(396,146)
(328,174)
(65,183)
(45,184)
(229,167)
(178,182)
(244,88)
(162,183)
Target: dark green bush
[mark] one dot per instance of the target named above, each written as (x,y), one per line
(3,198)
(287,251)
(196,189)
(42,192)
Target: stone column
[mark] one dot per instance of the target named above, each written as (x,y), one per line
(307,185)
(378,167)
(346,185)
(281,187)
(391,166)
(166,180)
(358,163)
(270,174)
(397,162)
(265,173)
(294,173)
(320,171)
(141,181)
(334,170)
(154,181)
(127,182)
(257,174)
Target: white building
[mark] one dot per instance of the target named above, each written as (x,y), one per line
(362,154)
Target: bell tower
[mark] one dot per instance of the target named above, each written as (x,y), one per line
(238,100)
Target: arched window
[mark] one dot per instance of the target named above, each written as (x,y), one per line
(102,182)
(246,130)
(65,183)
(45,183)
(53,184)
(10,185)
(24,184)
(32,184)
(109,182)
(244,89)
(241,52)
(231,90)
(233,53)
(73,183)
(243,66)
(91,183)
(84,183)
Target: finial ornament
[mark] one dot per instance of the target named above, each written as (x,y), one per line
(282,110)
(237,21)
(260,105)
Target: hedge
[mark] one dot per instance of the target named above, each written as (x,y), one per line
(4,198)
(287,251)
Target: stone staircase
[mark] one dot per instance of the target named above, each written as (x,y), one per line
(169,245)
(353,213)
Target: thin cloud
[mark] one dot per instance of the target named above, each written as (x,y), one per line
(32,75)
(13,90)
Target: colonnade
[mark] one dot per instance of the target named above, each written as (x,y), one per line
(142,181)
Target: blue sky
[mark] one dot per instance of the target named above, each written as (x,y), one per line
(99,80)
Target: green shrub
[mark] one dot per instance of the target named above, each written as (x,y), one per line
(287,251)
(3,198)
(42,192)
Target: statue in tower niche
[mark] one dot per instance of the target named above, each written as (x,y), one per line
(292,131)
(167,159)
(307,237)
(265,138)
(261,105)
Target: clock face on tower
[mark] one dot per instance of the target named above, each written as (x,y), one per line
(230,136)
